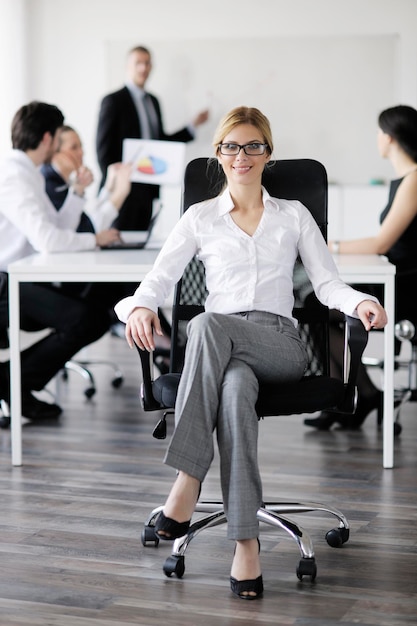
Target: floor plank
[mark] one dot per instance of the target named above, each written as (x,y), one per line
(72,516)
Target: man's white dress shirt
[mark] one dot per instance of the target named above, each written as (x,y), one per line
(101,210)
(28,220)
(244,272)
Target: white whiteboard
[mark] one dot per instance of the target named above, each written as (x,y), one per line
(322,95)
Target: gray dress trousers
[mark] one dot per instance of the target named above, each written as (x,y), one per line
(226,357)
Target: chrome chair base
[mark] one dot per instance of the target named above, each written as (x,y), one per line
(83,369)
(271,513)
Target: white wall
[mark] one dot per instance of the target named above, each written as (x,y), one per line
(307,86)
(69,44)
(13,64)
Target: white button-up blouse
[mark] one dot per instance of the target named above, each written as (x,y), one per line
(246,272)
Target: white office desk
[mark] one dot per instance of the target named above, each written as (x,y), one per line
(100,266)
(371,268)
(132,266)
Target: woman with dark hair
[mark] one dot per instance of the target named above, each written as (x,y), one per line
(248,243)
(396,239)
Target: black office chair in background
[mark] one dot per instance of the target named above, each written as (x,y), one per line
(306,181)
(83,367)
(405,344)
(406,332)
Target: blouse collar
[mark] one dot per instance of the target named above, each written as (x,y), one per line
(226,202)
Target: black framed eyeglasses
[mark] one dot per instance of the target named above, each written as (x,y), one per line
(251,149)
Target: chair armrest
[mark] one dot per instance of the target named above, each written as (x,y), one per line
(148,401)
(356,339)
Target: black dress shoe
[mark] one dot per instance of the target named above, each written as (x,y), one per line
(35,409)
(4,422)
(4,394)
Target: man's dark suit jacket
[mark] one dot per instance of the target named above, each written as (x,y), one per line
(118,120)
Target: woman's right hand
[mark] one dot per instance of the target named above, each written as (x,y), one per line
(140,326)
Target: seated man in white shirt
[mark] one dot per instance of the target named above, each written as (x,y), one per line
(30,223)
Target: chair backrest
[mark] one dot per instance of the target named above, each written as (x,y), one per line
(298,179)
(292,179)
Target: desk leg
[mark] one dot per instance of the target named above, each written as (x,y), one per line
(388,424)
(15,371)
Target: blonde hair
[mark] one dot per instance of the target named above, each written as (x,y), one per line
(243,115)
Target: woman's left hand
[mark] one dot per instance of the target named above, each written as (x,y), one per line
(372,314)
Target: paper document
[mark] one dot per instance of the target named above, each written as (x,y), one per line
(155,162)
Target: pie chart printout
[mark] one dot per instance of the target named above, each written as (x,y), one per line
(151,165)
(155,162)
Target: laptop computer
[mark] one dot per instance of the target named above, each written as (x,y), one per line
(133,239)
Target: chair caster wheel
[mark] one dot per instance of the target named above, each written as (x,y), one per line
(117,382)
(174,565)
(89,393)
(307,567)
(149,535)
(337,537)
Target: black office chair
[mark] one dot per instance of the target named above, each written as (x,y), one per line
(405,333)
(83,368)
(294,179)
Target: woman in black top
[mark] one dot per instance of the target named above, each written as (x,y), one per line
(396,239)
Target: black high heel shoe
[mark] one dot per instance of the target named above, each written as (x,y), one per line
(365,406)
(170,527)
(243,588)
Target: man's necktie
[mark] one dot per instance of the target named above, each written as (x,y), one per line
(152,117)
(143,119)
(147,117)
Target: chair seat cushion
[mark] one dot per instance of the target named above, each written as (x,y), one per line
(312,393)
(165,388)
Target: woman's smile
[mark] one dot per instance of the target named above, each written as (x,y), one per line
(242,169)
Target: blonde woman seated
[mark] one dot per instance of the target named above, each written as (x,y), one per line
(248,242)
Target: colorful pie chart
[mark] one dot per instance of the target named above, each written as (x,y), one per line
(151,165)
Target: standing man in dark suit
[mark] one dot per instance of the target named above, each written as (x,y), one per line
(131,112)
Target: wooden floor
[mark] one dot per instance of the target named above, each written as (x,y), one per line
(71,520)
